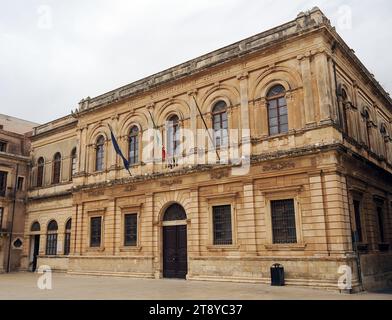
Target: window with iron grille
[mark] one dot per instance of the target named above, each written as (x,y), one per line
(67,238)
(134,145)
(222,225)
(51,244)
(130,229)
(40,172)
(277,110)
(95,231)
(51,238)
(3,146)
(3,183)
(283,221)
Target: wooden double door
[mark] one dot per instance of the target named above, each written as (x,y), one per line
(175,258)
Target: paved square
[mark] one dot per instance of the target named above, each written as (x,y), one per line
(24,286)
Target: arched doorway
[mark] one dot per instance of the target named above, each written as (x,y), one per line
(34,244)
(175,258)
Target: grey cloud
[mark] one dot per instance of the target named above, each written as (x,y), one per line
(94,46)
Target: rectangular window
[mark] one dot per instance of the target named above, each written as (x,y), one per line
(221,219)
(3,146)
(51,244)
(130,230)
(20,183)
(357,216)
(95,231)
(1,218)
(283,221)
(3,183)
(380,217)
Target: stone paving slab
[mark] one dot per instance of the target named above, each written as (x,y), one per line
(23,286)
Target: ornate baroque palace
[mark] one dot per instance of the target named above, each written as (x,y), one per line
(300,137)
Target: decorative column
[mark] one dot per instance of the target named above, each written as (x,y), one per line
(319,212)
(244,123)
(263,111)
(154,246)
(309,112)
(248,217)
(324,91)
(82,151)
(149,159)
(194,216)
(192,95)
(113,157)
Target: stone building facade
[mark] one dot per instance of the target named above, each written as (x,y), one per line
(14,181)
(306,182)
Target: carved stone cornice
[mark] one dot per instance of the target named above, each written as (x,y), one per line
(243,76)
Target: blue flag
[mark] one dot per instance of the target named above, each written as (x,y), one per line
(118,150)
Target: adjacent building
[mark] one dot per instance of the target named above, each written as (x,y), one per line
(14,177)
(296,169)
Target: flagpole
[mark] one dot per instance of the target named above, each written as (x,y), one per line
(205,125)
(118,149)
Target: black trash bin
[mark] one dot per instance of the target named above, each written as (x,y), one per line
(277,275)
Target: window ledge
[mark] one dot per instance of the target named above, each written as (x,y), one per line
(292,247)
(95,249)
(223,247)
(130,248)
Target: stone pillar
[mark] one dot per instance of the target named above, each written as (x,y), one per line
(323,88)
(149,159)
(247,219)
(316,188)
(264,117)
(75,229)
(194,226)
(154,247)
(310,118)
(83,152)
(111,228)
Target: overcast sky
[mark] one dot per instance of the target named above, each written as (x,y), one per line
(54,53)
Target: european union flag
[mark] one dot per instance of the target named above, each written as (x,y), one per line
(118,150)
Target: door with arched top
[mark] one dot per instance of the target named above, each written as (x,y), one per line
(175,258)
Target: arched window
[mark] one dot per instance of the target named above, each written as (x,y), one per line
(40,172)
(174,212)
(35,227)
(277,110)
(385,138)
(99,153)
(134,145)
(173,136)
(73,163)
(67,238)
(383,131)
(56,168)
(368,124)
(345,101)
(219,124)
(51,238)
